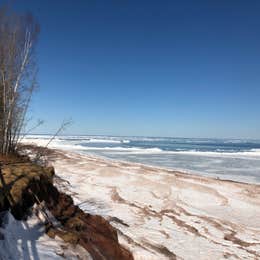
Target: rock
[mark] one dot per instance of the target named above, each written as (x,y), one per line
(94,233)
(25,184)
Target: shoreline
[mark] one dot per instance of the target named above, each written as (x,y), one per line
(166,169)
(165,213)
(173,170)
(231,178)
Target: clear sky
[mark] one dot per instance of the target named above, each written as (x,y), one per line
(144,67)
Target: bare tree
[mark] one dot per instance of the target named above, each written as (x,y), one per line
(41,153)
(18,35)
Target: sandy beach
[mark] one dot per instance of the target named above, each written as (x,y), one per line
(165,214)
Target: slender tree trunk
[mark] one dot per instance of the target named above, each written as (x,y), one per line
(18,33)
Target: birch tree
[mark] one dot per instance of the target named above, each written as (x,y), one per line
(18,35)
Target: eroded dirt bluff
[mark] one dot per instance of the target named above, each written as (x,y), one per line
(23,184)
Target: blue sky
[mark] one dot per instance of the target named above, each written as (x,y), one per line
(157,68)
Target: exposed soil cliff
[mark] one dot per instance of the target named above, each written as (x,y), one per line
(23,184)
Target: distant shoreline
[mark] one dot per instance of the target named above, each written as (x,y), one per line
(151,136)
(240,166)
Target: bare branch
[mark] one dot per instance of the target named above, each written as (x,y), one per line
(18,35)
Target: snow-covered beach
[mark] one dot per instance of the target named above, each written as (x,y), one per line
(162,214)
(129,130)
(229,159)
